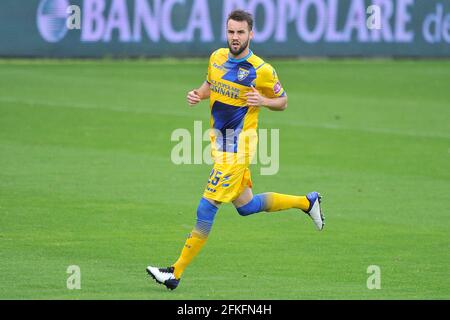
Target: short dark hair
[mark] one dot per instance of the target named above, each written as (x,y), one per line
(241,15)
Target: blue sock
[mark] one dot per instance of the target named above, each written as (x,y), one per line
(257,204)
(206,212)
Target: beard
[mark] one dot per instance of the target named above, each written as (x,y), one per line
(239,50)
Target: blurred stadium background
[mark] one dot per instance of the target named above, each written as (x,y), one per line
(86,178)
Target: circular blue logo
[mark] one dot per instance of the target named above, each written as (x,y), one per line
(51,19)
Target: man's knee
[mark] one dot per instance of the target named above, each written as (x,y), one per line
(206,210)
(253,206)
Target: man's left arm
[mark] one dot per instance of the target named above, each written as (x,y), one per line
(254,98)
(270,93)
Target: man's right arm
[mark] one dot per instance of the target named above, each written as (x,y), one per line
(196,95)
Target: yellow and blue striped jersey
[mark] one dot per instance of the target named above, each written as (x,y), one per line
(230,79)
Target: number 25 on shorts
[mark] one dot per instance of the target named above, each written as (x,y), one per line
(214,177)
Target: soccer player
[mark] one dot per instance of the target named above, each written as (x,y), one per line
(238,84)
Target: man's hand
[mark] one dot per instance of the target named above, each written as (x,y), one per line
(193,97)
(197,95)
(254,98)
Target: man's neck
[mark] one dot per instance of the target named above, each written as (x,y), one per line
(241,55)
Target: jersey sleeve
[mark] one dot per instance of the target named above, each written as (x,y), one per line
(208,75)
(267,81)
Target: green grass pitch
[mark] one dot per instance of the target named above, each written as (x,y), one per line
(86,179)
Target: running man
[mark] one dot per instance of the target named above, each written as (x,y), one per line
(238,84)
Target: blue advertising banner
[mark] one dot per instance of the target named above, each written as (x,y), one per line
(181,28)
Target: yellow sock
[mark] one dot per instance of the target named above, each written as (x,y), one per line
(191,248)
(278,201)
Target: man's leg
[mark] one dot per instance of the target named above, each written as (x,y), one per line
(206,212)
(247,204)
(170,276)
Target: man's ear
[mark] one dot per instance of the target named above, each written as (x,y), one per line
(251,35)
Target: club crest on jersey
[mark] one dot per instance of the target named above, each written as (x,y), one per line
(242,74)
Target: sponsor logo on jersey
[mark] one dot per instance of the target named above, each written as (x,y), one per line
(277,87)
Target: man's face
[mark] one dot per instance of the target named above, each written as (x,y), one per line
(238,36)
